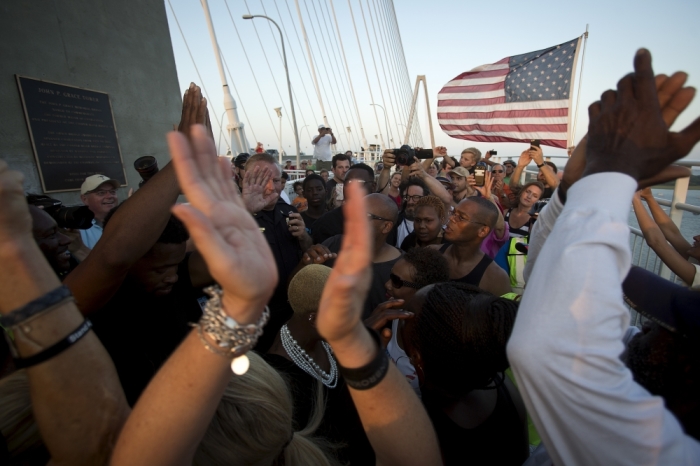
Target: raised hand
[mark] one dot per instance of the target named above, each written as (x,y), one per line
(227,236)
(536,154)
(194,111)
(388,159)
(627,132)
(258,190)
(341,305)
(318,254)
(525,158)
(296,224)
(485,190)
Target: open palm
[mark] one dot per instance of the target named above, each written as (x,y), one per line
(236,253)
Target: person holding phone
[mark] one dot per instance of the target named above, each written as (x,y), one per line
(322,143)
(547,174)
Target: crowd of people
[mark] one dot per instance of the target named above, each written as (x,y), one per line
(438,311)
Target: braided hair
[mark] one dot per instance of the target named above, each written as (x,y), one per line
(461,334)
(436,203)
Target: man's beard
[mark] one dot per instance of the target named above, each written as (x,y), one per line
(409,213)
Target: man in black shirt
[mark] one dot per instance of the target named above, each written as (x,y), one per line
(331,223)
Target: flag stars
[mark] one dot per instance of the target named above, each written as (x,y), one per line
(552,94)
(529,73)
(569,56)
(540,95)
(536,66)
(556,59)
(549,66)
(551,53)
(542,72)
(559,88)
(528,85)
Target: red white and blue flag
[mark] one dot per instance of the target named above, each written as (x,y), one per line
(516,99)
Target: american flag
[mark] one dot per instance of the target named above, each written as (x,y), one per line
(516,99)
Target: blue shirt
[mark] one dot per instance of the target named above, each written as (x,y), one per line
(91,235)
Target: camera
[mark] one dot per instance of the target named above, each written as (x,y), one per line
(535,142)
(74,217)
(147,166)
(405,154)
(493,152)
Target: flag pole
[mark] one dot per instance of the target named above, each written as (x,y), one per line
(570,142)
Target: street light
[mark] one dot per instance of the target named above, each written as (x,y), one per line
(386,120)
(279,115)
(289,84)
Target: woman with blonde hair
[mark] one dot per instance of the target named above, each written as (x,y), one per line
(253,424)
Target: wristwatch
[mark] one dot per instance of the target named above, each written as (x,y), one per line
(540,166)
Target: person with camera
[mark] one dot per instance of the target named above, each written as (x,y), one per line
(647,412)
(99,193)
(340,164)
(322,144)
(547,174)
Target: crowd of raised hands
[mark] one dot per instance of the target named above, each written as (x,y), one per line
(80,408)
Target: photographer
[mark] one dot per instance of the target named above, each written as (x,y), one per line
(99,193)
(547,174)
(322,144)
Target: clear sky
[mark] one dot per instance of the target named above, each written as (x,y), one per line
(441,39)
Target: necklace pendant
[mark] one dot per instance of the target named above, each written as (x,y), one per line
(240,365)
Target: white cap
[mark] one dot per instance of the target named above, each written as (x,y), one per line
(93,182)
(321,126)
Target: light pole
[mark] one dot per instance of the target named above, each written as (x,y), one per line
(386,121)
(279,114)
(289,84)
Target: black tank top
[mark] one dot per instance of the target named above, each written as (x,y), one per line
(499,440)
(521,232)
(473,277)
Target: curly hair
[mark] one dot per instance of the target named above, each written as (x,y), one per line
(310,178)
(436,203)
(461,335)
(414,181)
(429,264)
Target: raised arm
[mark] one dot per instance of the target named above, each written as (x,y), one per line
(549,176)
(77,401)
(134,227)
(669,229)
(485,192)
(436,188)
(388,161)
(174,411)
(585,259)
(394,419)
(523,161)
(657,241)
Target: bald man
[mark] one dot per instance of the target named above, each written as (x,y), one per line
(468,226)
(383,214)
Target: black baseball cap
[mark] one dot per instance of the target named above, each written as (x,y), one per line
(674,307)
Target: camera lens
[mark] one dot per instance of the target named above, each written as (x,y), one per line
(147,166)
(75,217)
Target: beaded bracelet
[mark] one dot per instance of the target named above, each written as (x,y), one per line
(46,302)
(368,376)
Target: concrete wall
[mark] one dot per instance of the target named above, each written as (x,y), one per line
(119,47)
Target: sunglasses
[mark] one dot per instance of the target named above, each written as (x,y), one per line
(377,217)
(497,171)
(397,282)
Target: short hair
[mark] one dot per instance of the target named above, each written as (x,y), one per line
(338,157)
(262,157)
(436,203)
(285,175)
(324,171)
(461,325)
(475,151)
(430,266)
(173,233)
(310,178)
(488,211)
(414,181)
(362,166)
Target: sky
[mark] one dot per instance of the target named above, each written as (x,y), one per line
(440,40)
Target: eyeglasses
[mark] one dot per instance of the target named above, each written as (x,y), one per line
(377,217)
(398,282)
(459,218)
(496,171)
(355,181)
(412,198)
(103,193)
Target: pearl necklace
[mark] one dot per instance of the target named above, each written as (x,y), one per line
(306,362)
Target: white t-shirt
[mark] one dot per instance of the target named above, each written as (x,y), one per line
(322,148)
(405,229)
(401,359)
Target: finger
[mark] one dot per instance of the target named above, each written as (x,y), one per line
(354,256)
(644,83)
(667,87)
(670,173)
(593,111)
(186,103)
(625,88)
(206,159)
(187,171)
(194,107)
(386,337)
(202,112)
(686,139)
(394,303)
(229,189)
(677,104)
(608,99)
(659,80)
(389,315)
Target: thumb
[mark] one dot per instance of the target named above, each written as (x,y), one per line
(670,173)
(386,337)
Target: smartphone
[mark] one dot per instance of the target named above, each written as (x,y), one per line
(535,142)
(493,152)
(480,175)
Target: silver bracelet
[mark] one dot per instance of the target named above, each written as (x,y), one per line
(231,339)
